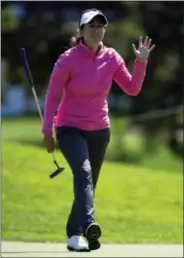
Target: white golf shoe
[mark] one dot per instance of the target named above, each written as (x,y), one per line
(77,244)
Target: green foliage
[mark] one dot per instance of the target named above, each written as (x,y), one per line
(122,41)
(9,22)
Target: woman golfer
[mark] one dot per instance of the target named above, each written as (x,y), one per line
(83,76)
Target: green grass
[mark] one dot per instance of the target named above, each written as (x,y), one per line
(162,159)
(133,204)
(26,130)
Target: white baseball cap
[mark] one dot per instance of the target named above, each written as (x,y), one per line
(89,14)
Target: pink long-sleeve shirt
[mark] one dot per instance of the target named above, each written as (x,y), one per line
(83,79)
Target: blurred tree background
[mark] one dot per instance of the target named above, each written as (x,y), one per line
(45,29)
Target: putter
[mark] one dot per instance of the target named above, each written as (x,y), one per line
(30,79)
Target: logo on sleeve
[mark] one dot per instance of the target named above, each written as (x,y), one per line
(107,59)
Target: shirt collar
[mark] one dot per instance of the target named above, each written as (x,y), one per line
(88,51)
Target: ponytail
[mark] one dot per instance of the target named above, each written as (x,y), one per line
(76,39)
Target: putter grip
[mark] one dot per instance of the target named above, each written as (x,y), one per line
(26,66)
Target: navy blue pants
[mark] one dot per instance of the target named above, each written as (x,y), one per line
(84,152)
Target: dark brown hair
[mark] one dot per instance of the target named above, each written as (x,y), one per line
(77,38)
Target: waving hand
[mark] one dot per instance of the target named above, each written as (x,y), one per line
(144,49)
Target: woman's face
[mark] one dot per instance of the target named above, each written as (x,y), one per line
(94,31)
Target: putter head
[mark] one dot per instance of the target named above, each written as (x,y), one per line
(56,172)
